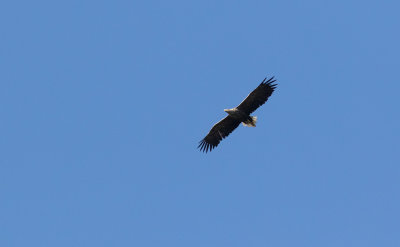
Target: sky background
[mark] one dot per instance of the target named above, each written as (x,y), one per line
(103,103)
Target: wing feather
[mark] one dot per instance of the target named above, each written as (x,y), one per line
(218,132)
(258,97)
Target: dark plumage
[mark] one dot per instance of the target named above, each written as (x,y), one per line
(239,114)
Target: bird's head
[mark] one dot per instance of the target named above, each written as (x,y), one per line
(228,110)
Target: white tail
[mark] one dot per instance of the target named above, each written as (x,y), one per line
(251,123)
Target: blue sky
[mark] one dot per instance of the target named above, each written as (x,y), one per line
(103,103)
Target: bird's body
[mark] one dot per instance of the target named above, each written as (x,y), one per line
(242,117)
(239,114)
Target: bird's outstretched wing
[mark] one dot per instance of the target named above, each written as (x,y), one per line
(258,97)
(218,132)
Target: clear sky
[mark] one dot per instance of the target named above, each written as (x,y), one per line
(103,104)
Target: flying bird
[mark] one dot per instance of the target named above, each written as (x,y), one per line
(239,114)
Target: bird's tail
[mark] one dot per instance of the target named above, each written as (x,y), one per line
(251,122)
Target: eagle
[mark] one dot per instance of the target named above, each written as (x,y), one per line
(239,114)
